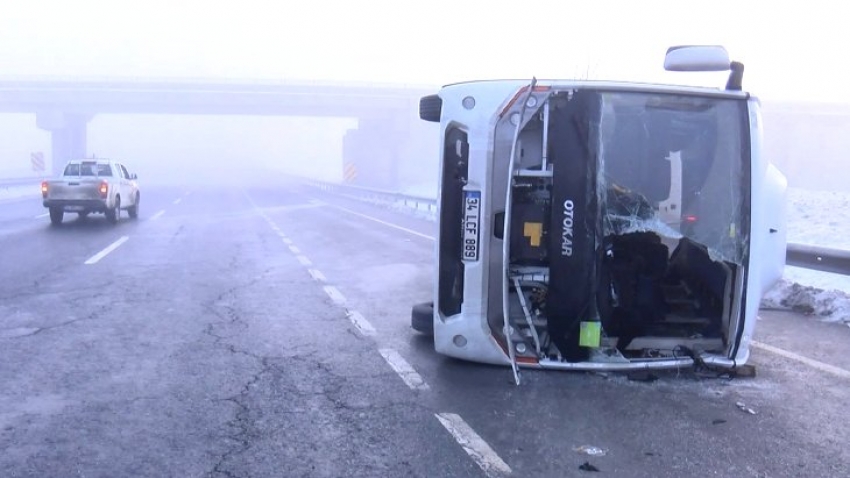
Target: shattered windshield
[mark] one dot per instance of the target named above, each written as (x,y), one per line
(675,165)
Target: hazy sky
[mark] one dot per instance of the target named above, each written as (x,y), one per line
(790,51)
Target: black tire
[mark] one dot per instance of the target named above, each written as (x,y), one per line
(422,318)
(134,211)
(430,108)
(112,215)
(56,216)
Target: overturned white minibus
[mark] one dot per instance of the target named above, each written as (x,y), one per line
(590,225)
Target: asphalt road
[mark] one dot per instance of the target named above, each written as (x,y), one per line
(262,329)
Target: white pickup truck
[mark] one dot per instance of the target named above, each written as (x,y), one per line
(92,186)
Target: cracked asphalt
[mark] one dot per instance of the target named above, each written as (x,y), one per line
(203,347)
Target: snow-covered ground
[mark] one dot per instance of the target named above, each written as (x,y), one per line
(820,218)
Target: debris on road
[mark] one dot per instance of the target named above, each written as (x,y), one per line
(744,408)
(718,421)
(745,371)
(590,450)
(642,376)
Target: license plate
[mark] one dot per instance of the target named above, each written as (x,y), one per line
(74,208)
(471,224)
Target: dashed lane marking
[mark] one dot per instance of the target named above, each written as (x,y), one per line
(401,367)
(317,275)
(157,215)
(304,260)
(475,446)
(335,294)
(361,323)
(388,224)
(177,201)
(404,369)
(100,255)
(42,215)
(823,367)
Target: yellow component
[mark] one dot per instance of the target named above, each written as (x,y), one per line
(732,231)
(533,231)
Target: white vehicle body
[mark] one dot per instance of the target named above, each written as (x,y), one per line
(92,186)
(617,226)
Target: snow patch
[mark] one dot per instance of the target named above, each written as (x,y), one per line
(830,305)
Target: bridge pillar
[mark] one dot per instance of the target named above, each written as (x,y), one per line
(371,153)
(68,136)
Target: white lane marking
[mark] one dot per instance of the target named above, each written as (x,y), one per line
(42,215)
(389,224)
(823,367)
(304,260)
(295,249)
(100,255)
(474,445)
(245,193)
(177,201)
(287,241)
(157,215)
(317,275)
(360,322)
(335,294)
(404,369)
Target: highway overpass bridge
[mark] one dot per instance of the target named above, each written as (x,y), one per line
(389,131)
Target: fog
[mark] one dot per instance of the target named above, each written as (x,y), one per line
(789,51)
(788,57)
(169,149)
(178,149)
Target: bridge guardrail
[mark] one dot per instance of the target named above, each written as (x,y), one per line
(798,255)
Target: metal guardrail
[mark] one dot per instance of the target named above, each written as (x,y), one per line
(420,203)
(799,255)
(11,182)
(818,258)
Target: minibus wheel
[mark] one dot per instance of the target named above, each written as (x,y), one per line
(422,318)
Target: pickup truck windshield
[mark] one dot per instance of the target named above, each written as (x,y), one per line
(88,169)
(676,165)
